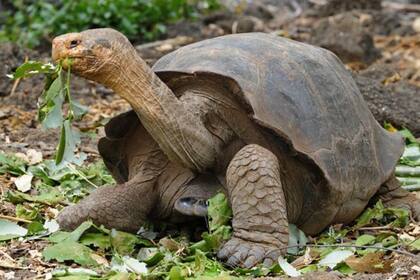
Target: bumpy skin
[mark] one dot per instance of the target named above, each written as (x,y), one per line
(123,207)
(259,209)
(392,195)
(149,185)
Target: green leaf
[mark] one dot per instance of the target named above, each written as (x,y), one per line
(200,260)
(78,110)
(335,257)
(150,256)
(389,241)
(75,235)
(219,212)
(9,230)
(99,240)
(212,241)
(78,232)
(123,242)
(415,245)
(399,216)
(309,268)
(69,251)
(58,236)
(411,155)
(49,197)
(35,227)
(370,214)
(50,109)
(345,269)
(408,136)
(12,164)
(31,68)
(27,212)
(365,239)
(176,273)
(68,140)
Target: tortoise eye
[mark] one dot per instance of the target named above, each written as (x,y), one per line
(74,43)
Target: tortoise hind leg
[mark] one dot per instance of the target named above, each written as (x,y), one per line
(392,195)
(260,225)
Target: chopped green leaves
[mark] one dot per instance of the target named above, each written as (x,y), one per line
(219,211)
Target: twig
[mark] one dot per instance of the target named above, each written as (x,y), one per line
(374,228)
(15,84)
(354,246)
(15,219)
(401,7)
(7,256)
(69,165)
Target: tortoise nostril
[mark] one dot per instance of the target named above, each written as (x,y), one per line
(74,43)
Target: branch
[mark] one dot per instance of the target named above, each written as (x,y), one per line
(355,246)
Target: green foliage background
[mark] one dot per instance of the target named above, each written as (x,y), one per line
(29,22)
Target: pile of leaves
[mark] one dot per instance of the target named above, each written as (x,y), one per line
(30,22)
(408,171)
(90,252)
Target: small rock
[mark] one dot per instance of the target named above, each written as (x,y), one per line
(416,25)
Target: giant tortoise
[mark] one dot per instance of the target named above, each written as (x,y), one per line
(280,124)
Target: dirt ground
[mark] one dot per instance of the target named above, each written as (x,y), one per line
(380,45)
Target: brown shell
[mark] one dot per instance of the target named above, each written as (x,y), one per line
(302,93)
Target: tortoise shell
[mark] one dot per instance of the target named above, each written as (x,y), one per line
(300,92)
(303,94)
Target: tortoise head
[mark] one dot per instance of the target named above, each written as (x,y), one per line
(95,54)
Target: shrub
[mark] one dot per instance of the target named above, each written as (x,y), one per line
(29,22)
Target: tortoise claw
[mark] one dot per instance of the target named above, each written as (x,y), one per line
(238,252)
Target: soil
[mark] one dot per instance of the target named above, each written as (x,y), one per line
(379,46)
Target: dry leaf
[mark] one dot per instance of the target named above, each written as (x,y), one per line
(393,79)
(309,256)
(33,156)
(371,262)
(99,259)
(170,244)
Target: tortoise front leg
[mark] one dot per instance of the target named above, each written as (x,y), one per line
(260,225)
(123,207)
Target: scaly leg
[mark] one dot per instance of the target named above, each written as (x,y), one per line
(123,207)
(393,195)
(260,225)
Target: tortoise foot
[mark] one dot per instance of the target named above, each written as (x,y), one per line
(392,195)
(407,201)
(238,252)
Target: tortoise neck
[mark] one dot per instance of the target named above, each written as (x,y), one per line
(179,133)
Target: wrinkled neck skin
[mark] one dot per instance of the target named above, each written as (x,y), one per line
(178,132)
